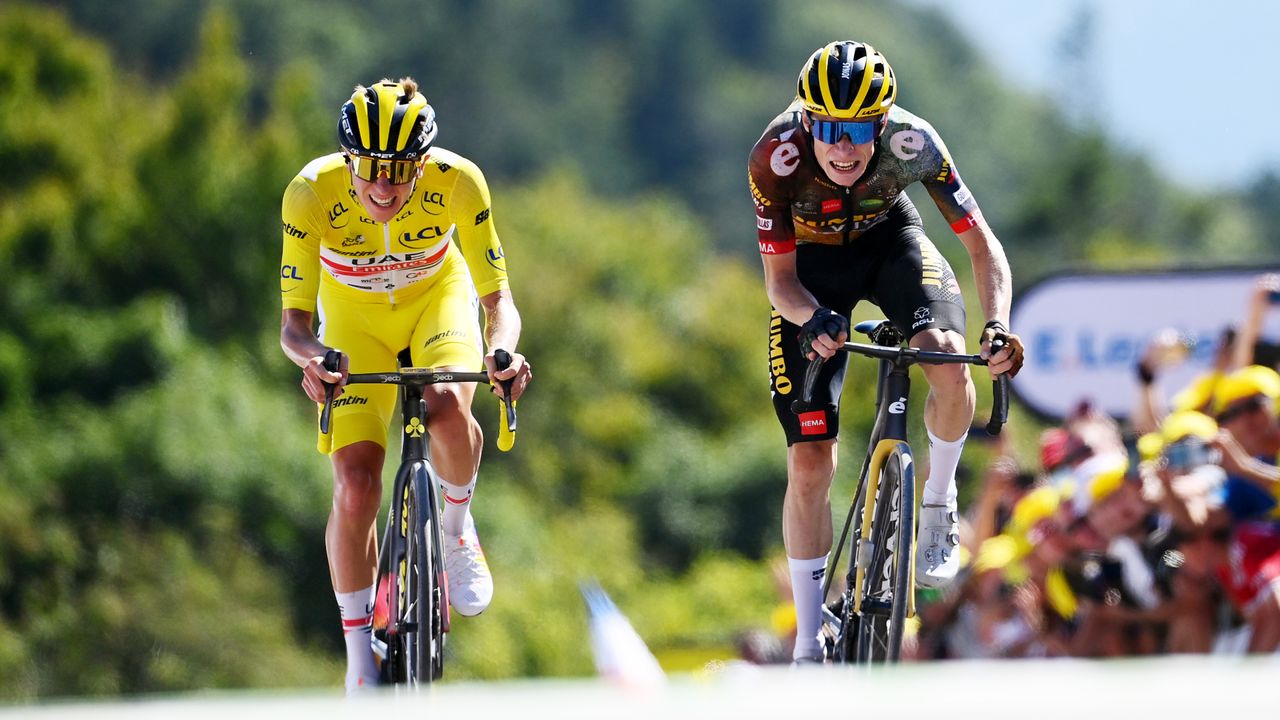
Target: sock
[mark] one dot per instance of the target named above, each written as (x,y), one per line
(944,456)
(806,590)
(356,609)
(457,506)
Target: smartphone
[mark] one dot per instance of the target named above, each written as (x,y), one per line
(1188,454)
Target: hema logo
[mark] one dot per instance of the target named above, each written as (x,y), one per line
(813,423)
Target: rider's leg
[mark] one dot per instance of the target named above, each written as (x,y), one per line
(806,533)
(351,544)
(948,413)
(456,442)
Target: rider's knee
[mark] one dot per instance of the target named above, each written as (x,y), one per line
(812,461)
(357,477)
(448,401)
(949,378)
(938,340)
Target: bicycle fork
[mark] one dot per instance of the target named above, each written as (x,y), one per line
(890,432)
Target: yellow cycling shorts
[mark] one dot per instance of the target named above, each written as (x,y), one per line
(441,328)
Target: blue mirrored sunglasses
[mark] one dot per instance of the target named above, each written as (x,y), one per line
(830,131)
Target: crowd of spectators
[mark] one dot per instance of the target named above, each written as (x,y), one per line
(1157,535)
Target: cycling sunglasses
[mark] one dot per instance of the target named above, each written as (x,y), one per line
(398,172)
(830,131)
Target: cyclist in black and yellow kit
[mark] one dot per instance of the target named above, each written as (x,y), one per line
(392,242)
(835,227)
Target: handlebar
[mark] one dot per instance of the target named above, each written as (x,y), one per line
(906,356)
(421,377)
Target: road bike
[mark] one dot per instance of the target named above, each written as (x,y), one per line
(411,571)
(865,624)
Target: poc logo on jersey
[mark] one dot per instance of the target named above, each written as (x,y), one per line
(813,423)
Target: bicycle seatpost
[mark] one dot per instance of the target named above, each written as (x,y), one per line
(332,361)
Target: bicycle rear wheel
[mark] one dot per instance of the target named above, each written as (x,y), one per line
(425,612)
(887,580)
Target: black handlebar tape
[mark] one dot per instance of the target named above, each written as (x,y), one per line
(502,360)
(332,361)
(999,404)
(801,404)
(999,396)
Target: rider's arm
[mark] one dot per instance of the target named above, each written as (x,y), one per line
(786,294)
(501,320)
(502,330)
(306,351)
(301,219)
(478,240)
(990,269)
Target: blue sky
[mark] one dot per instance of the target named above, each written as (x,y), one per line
(1164,71)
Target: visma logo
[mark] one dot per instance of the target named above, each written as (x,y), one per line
(899,406)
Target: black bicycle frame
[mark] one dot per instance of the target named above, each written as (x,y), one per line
(893,380)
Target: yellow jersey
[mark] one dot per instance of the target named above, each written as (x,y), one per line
(331,243)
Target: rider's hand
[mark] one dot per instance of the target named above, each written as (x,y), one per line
(824,334)
(314,376)
(1009,360)
(519,370)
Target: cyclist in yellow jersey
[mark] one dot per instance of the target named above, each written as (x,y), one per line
(391,242)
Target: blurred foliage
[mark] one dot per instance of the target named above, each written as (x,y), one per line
(161,506)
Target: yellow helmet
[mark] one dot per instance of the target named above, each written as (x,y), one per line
(848,80)
(388,120)
(1245,383)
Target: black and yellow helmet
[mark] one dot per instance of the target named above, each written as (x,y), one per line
(388,120)
(848,80)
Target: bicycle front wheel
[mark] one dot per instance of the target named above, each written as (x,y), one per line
(887,580)
(425,622)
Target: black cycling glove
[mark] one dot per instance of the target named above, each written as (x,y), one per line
(824,322)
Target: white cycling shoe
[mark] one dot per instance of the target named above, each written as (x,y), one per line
(937,546)
(470,583)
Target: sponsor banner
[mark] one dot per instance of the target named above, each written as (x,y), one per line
(1084,333)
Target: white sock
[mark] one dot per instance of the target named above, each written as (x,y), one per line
(806,591)
(356,609)
(457,506)
(944,457)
